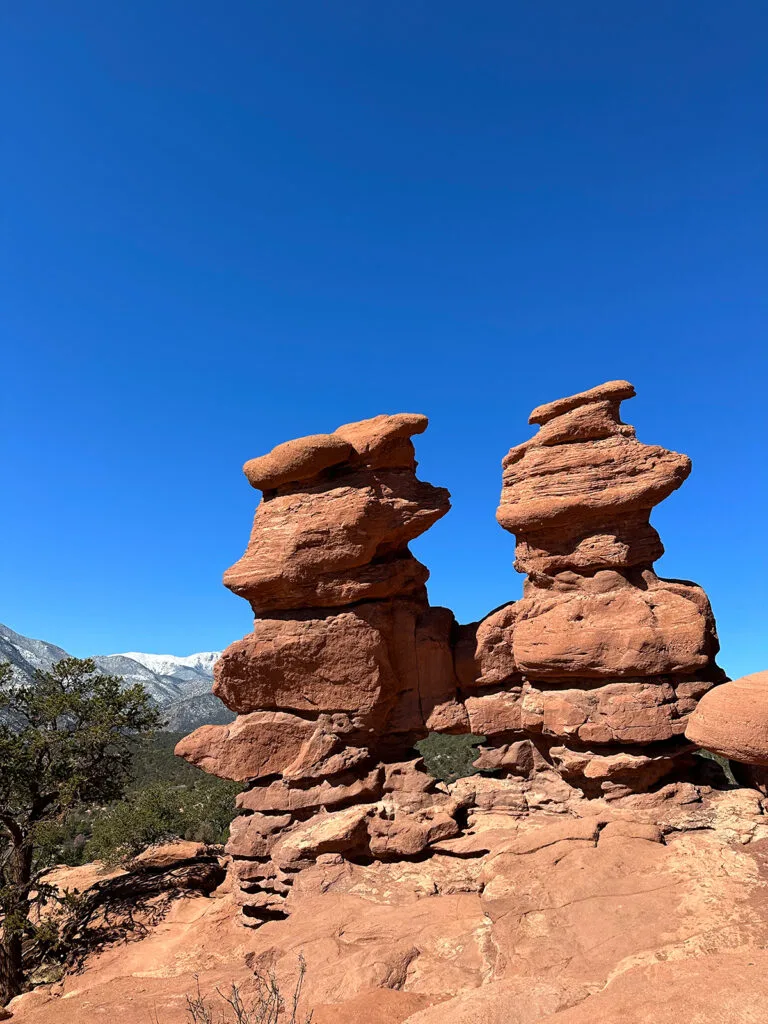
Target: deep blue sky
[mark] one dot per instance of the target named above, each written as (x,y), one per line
(226,225)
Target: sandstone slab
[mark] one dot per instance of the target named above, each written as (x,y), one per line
(329,793)
(495,713)
(335,662)
(608,926)
(609,625)
(300,459)
(613,390)
(633,712)
(336,832)
(732,720)
(253,746)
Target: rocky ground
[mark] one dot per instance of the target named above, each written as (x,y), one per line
(647,910)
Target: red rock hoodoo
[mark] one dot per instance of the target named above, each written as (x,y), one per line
(582,688)
(605,659)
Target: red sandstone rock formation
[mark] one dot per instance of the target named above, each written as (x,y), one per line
(592,917)
(337,515)
(733,721)
(601,661)
(582,688)
(346,667)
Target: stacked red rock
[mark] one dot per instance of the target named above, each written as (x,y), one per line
(345,664)
(581,688)
(601,661)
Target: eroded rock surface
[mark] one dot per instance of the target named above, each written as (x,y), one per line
(581,689)
(347,665)
(733,720)
(647,911)
(602,661)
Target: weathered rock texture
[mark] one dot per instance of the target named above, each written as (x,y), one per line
(648,910)
(347,665)
(605,660)
(581,689)
(733,721)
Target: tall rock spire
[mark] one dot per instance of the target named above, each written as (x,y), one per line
(609,658)
(347,664)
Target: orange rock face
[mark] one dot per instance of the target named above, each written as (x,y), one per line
(601,661)
(733,720)
(612,624)
(582,688)
(296,460)
(338,662)
(337,542)
(257,745)
(585,461)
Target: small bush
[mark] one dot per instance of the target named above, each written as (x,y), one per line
(150,816)
(448,758)
(63,840)
(159,813)
(166,799)
(266,1006)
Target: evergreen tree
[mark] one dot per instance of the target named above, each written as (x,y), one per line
(66,739)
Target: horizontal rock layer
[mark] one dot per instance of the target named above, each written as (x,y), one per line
(337,543)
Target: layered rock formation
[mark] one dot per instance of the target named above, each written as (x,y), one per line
(601,661)
(647,910)
(346,667)
(581,689)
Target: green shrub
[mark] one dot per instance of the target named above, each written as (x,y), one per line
(151,815)
(63,840)
(166,798)
(448,758)
(158,813)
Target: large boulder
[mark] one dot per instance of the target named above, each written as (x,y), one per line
(732,720)
(308,662)
(610,625)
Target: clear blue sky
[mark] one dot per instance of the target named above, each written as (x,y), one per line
(226,225)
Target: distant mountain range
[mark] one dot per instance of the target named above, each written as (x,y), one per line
(180,686)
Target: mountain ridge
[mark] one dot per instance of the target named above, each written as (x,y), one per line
(179,685)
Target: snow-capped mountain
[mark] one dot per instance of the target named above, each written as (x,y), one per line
(26,655)
(165,676)
(170,664)
(181,686)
